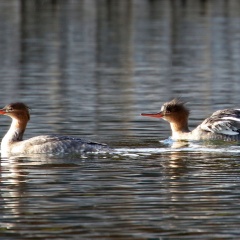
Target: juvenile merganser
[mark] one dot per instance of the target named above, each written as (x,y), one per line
(221,125)
(13,143)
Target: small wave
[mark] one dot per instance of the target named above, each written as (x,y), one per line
(192,147)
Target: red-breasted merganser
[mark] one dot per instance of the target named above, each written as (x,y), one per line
(13,143)
(221,125)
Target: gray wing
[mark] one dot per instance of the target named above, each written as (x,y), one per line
(225,122)
(62,144)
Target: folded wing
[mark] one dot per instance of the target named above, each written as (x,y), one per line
(225,122)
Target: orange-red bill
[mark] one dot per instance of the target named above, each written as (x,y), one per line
(2,111)
(155,115)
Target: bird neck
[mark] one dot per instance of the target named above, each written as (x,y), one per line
(180,126)
(15,132)
(180,131)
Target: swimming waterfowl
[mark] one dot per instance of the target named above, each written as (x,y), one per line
(13,143)
(221,125)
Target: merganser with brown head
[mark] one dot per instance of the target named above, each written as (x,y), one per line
(221,125)
(13,143)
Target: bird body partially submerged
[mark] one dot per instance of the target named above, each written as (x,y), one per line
(221,125)
(13,143)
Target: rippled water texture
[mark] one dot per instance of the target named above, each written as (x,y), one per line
(88,69)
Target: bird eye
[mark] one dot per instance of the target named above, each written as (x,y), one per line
(10,109)
(168,110)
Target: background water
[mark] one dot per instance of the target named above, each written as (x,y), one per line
(88,69)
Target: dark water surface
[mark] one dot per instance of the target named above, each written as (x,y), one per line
(88,69)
